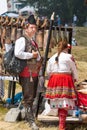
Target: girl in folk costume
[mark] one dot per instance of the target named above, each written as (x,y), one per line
(62,72)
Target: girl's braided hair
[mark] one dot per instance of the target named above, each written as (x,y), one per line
(61,46)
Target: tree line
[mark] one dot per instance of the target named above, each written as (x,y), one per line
(64,8)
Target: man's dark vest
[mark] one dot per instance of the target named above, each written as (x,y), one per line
(33,64)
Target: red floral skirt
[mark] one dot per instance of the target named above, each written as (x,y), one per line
(60,86)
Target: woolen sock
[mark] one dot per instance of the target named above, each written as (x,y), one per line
(62,113)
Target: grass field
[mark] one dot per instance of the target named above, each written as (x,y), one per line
(80,54)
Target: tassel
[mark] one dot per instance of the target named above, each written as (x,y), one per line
(31,79)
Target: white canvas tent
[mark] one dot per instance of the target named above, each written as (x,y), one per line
(3,6)
(28,9)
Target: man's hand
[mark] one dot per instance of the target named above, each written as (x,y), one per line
(35,54)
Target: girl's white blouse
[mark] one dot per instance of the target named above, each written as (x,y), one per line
(65,63)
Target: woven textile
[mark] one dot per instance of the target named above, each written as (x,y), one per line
(61,91)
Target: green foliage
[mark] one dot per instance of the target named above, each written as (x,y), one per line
(64,8)
(81,36)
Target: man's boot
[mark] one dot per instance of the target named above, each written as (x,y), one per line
(30,118)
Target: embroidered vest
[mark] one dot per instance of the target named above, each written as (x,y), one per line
(33,64)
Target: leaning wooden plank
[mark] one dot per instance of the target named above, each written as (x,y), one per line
(53,118)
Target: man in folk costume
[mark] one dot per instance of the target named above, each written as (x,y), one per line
(26,48)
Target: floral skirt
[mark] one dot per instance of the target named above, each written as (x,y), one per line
(61,91)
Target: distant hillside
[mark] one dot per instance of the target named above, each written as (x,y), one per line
(81,36)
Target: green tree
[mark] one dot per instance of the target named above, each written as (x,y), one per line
(64,8)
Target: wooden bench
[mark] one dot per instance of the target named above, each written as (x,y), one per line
(56,119)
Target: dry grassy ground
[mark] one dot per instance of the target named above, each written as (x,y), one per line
(80,54)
